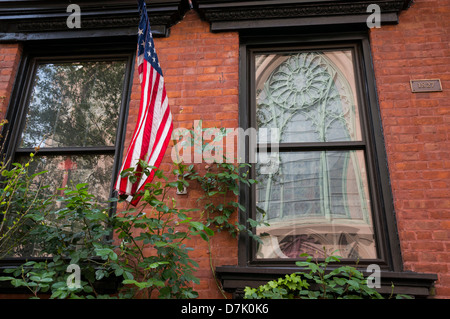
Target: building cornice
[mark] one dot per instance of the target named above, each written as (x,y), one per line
(37,19)
(22,20)
(251,14)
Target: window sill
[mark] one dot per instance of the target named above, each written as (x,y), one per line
(235,278)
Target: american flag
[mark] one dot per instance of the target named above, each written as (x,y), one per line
(154,125)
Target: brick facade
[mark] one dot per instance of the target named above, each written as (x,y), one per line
(416,130)
(9,61)
(201,72)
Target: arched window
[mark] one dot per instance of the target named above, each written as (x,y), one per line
(314,196)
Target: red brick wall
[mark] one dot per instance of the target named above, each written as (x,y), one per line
(201,72)
(9,61)
(417,131)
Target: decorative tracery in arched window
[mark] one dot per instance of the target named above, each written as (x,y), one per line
(318,197)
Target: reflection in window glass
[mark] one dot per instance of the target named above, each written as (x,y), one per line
(314,199)
(69,170)
(72,107)
(74,104)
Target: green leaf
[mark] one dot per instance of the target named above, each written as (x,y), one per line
(157,264)
(118,272)
(29,263)
(340,281)
(161,244)
(209,231)
(128,275)
(353,283)
(58,285)
(81,186)
(99,274)
(197,225)
(88,289)
(252,222)
(112,255)
(46,280)
(212,193)
(9,270)
(204,236)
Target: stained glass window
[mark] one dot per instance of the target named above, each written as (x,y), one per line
(317,196)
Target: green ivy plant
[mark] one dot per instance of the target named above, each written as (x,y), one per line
(315,282)
(144,249)
(220,180)
(76,233)
(80,233)
(165,228)
(20,196)
(221,185)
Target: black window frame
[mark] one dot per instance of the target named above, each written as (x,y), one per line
(84,49)
(383,215)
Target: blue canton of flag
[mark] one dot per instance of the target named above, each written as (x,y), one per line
(145,39)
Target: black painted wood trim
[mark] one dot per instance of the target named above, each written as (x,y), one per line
(235,278)
(241,15)
(40,19)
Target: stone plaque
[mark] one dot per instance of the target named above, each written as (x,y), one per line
(433,85)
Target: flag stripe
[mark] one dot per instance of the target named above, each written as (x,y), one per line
(154,126)
(131,159)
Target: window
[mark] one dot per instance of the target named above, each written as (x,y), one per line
(73,108)
(72,113)
(324,189)
(315,198)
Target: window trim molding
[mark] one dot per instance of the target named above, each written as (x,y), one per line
(374,155)
(246,273)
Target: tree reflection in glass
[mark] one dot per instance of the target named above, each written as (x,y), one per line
(72,109)
(74,104)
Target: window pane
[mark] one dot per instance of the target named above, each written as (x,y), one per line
(74,104)
(316,199)
(309,96)
(73,169)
